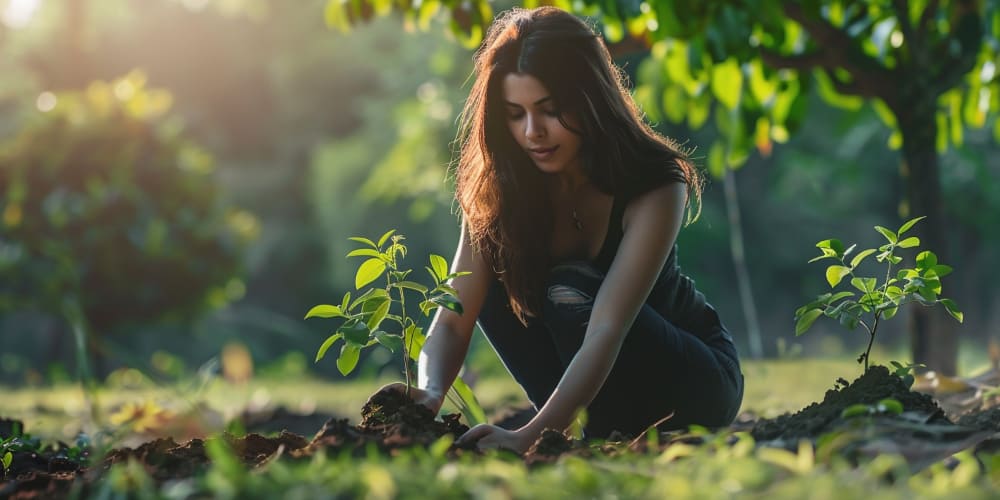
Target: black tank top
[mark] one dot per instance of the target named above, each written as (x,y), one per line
(674,295)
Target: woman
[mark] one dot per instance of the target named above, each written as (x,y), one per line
(571,205)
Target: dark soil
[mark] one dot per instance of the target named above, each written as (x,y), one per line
(390,420)
(988,420)
(819,418)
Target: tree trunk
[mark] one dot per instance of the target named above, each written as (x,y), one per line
(934,339)
(739,262)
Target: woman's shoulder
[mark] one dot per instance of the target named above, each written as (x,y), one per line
(657,199)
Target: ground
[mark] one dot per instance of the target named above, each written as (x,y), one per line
(255,460)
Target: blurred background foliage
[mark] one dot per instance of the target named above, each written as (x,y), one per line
(315,135)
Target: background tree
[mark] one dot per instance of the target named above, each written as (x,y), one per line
(928,67)
(110,217)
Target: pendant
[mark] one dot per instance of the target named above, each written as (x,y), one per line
(576,221)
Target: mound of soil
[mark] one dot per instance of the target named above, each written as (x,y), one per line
(401,421)
(818,418)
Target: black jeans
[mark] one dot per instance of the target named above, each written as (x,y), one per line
(661,369)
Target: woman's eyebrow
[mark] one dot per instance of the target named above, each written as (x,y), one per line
(536,103)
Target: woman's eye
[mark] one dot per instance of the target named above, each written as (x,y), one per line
(515,116)
(553,113)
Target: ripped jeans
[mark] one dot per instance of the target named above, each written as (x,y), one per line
(661,368)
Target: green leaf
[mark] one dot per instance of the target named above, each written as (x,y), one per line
(926,260)
(325,311)
(447,289)
(385,237)
(365,252)
(910,242)
(890,406)
(372,293)
(440,267)
(836,273)
(941,270)
(837,311)
(889,312)
(355,332)
(8,458)
(806,320)
(861,256)
(379,315)
(727,82)
(889,235)
(952,309)
(427,306)
(348,359)
(448,302)
(471,408)
(326,345)
(369,271)
(390,341)
(345,303)
(855,410)
(832,244)
(717,160)
(906,227)
(864,284)
(821,257)
(335,16)
(366,241)
(849,319)
(412,285)
(413,339)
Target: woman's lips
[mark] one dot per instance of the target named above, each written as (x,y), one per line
(543,154)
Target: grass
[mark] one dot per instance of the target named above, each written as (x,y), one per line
(717,469)
(772,388)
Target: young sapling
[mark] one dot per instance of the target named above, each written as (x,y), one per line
(876,302)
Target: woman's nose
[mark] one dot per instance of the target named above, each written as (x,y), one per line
(534,128)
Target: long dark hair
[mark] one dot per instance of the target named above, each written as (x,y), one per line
(501,192)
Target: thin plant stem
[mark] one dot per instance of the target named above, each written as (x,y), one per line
(871,340)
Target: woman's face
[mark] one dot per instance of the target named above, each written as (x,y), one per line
(533,120)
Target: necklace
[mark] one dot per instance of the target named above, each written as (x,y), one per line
(576,221)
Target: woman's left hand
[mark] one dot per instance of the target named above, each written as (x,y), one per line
(491,436)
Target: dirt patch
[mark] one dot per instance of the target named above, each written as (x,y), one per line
(390,420)
(818,418)
(987,420)
(402,422)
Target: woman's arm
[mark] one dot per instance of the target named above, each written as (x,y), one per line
(449,333)
(651,223)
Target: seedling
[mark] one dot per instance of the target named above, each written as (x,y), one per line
(366,316)
(921,284)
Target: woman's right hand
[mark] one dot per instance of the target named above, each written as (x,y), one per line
(431,400)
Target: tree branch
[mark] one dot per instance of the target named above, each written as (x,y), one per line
(871,78)
(800,62)
(925,17)
(903,18)
(967,34)
(848,88)
(628,45)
